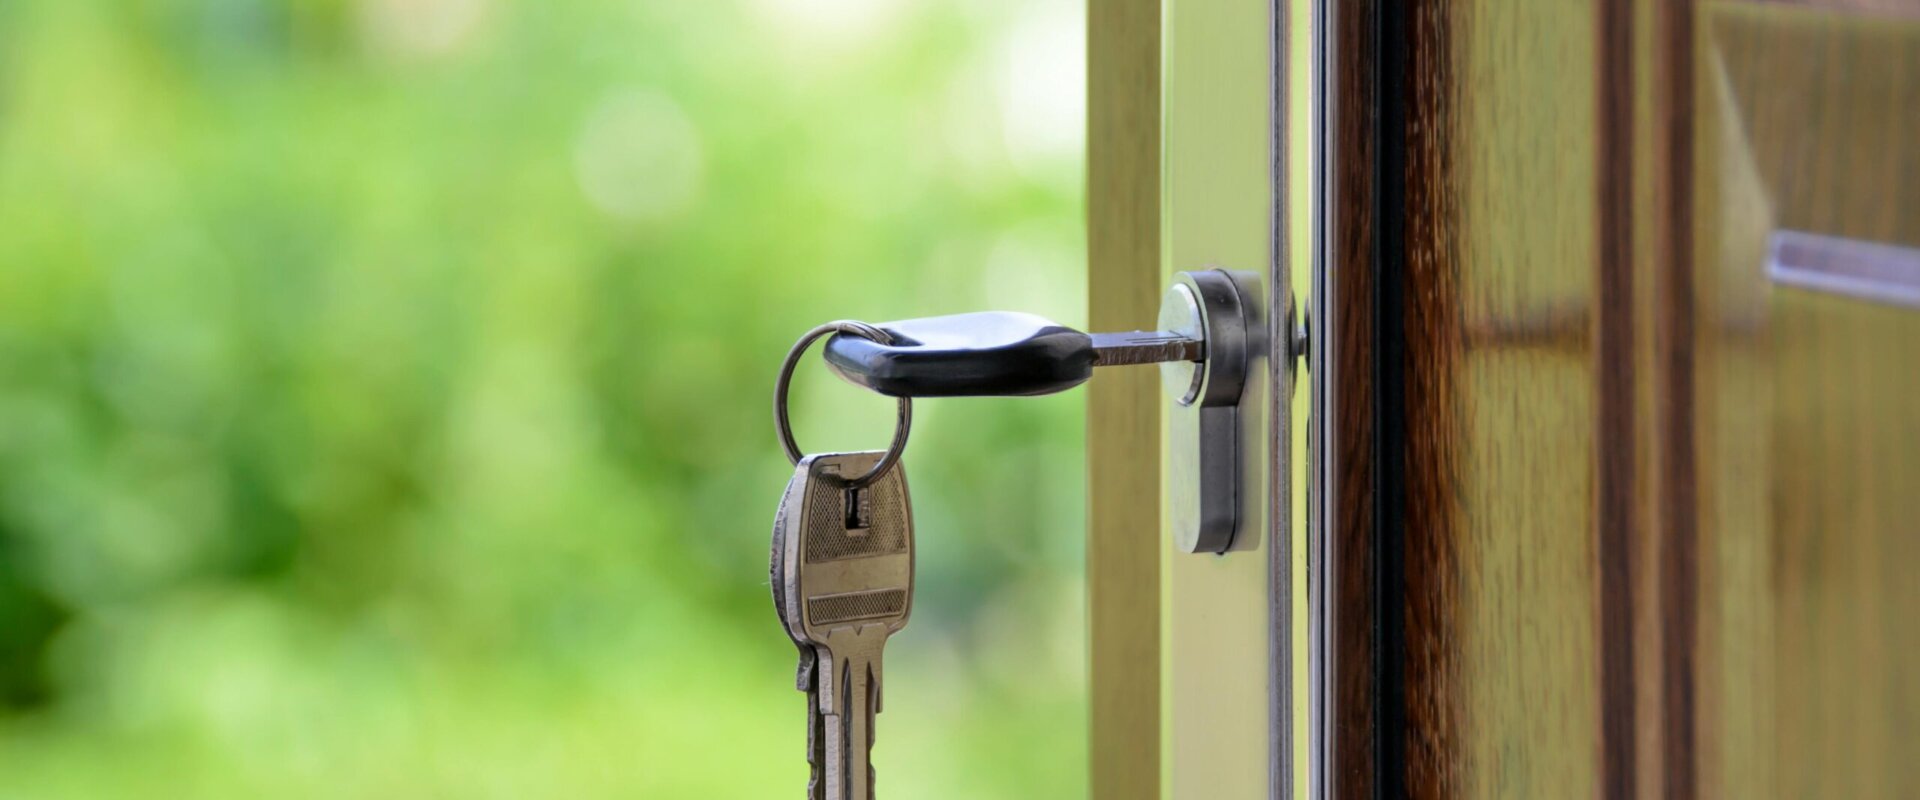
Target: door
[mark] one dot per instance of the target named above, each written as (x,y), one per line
(1620,335)
(1610,469)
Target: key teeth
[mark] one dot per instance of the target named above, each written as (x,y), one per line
(803,679)
(816,738)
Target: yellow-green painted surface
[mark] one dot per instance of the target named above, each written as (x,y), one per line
(1218,730)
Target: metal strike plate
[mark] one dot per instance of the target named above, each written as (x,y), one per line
(1203,413)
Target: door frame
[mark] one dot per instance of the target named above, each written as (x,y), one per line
(1195,113)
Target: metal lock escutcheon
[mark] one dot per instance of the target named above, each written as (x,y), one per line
(1202,431)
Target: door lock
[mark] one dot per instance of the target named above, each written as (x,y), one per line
(1211,327)
(1202,489)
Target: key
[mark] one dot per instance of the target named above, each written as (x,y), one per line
(1213,340)
(997,353)
(847,584)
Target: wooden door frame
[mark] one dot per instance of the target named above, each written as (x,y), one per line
(1123,406)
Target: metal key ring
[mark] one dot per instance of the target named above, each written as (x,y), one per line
(785,426)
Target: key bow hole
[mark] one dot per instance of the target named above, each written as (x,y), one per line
(859,510)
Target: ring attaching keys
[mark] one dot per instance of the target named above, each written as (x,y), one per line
(784,425)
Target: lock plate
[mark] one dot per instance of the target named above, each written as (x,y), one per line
(1204,462)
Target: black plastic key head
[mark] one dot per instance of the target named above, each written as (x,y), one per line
(983,354)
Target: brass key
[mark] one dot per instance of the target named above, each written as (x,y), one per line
(845,585)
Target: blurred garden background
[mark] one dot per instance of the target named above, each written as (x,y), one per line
(384,390)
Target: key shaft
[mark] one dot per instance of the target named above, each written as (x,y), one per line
(849,699)
(1144,347)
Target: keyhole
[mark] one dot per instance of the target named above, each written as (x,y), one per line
(859,508)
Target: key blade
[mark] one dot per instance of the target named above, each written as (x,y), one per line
(853,695)
(1144,347)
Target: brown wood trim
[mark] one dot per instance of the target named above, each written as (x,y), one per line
(1675,485)
(1422,352)
(1616,521)
(1123,416)
(1351,611)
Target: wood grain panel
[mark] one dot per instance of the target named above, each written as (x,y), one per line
(1608,512)
(1123,412)
(1809,668)
(1502,206)
(1467,360)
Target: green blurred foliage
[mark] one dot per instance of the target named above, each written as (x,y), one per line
(384,389)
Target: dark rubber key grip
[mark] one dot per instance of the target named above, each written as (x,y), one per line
(983,354)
